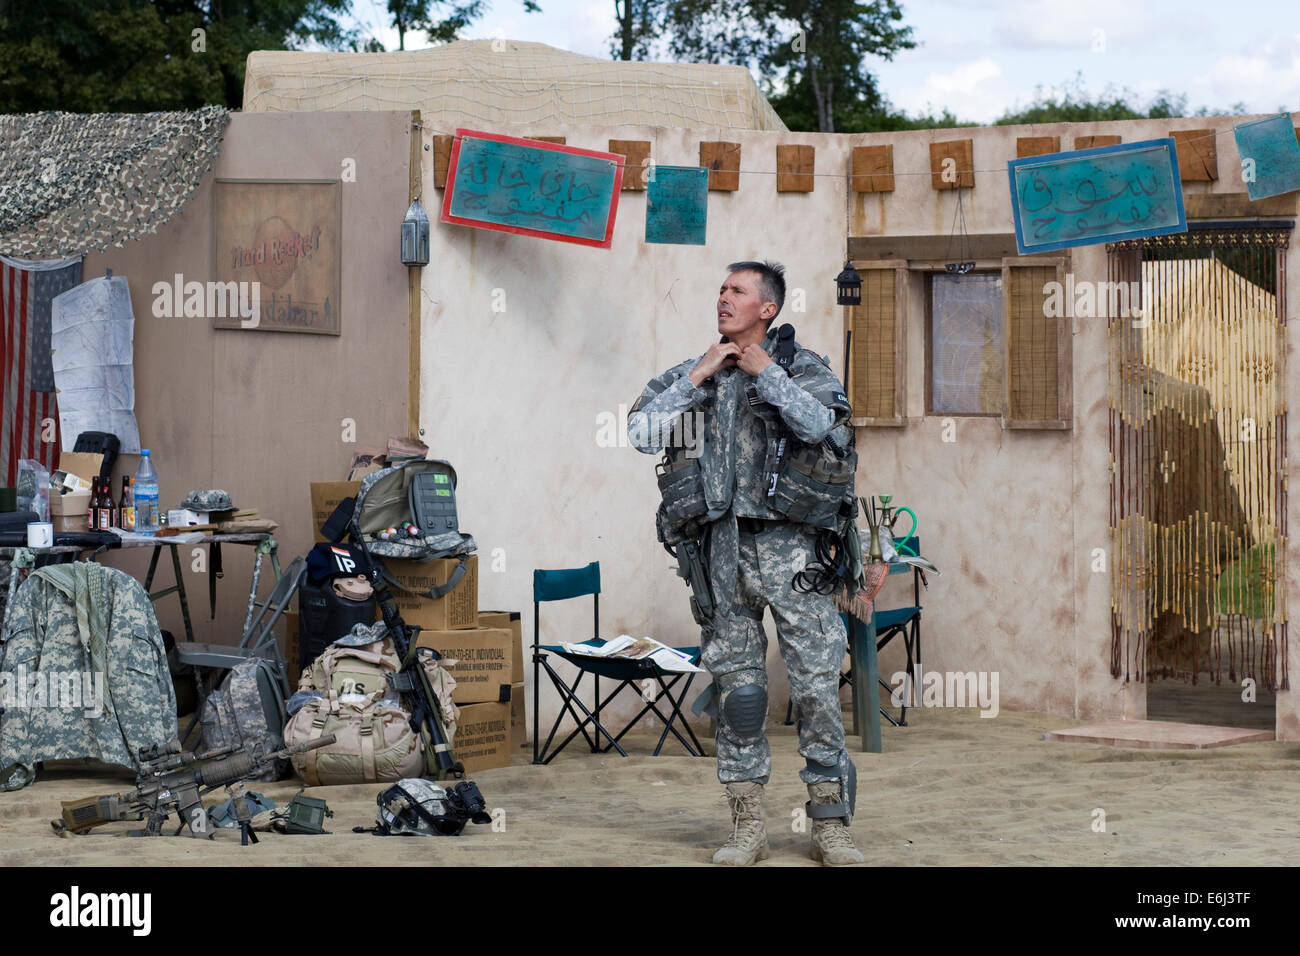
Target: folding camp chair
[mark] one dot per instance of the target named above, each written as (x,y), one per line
(258,640)
(560,585)
(896,622)
(902,622)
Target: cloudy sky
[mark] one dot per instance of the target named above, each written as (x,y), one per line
(978,58)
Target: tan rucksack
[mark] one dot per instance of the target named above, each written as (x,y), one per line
(375,743)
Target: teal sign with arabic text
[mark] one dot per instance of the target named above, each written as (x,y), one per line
(1096,195)
(1270,156)
(532,188)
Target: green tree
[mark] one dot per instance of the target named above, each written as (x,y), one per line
(639,23)
(824,64)
(1074,104)
(89,56)
(811,53)
(441,20)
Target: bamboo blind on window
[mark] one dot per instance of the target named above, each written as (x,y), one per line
(1033,369)
(875,350)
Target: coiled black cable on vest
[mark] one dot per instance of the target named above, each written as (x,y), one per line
(830,564)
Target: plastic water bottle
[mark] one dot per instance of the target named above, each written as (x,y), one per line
(146,496)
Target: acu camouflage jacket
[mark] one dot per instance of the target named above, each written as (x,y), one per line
(738,448)
(83,672)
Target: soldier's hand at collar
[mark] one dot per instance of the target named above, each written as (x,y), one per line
(720,355)
(753,360)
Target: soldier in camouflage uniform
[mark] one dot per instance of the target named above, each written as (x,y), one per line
(753,553)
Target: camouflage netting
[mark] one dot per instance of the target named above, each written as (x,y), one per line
(481,82)
(74,183)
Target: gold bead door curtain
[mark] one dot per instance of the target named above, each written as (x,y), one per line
(1198,456)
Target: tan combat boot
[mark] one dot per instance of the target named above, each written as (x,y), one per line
(748,834)
(831,843)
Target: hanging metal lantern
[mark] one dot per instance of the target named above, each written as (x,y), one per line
(415,236)
(849,286)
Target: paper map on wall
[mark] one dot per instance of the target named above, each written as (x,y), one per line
(1096,195)
(532,188)
(92,330)
(677,205)
(1270,156)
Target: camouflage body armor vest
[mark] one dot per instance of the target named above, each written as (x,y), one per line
(809,484)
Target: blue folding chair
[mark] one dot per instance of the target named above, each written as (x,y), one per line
(562,585)
(902,622)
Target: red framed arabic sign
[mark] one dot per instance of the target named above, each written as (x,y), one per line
(532,188)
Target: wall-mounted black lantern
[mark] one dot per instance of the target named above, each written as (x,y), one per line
(848,286)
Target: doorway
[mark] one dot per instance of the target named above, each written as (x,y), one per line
(1198,448)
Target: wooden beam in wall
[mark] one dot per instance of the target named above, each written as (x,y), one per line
(1037,145)
(961,169)
(794,168)
(986,246)
(873,168)
(1090,142)
(722,160)
(637,152)
(441,159)
(1239,206)
(1198,155)
(413,296)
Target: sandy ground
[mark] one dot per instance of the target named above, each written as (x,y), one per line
(952,789)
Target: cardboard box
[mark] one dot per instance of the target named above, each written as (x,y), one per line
(184,517)
(483,661)
(483,737)
(69,512)
(518,717)
(84,464)
(457,609)
(63,482)
(70,505)
(325,497)
(367,461)
(512,620)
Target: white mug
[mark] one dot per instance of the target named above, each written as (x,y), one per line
(40,534)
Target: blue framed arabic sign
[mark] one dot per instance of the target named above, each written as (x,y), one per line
(532,188)
(1096,195)
(1270,156)
(677,205)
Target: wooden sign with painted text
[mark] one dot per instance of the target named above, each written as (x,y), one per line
(278,248)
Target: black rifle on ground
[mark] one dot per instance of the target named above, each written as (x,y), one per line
(412,682)
(172,780)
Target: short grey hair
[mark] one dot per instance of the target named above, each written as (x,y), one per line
(771,281)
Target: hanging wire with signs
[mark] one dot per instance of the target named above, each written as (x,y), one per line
(774,172)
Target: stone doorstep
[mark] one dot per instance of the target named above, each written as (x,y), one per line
(1158,735)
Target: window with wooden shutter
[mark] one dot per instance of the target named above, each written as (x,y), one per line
(1037,346)
(876,344)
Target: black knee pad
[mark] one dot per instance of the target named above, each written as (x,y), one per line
(745,710)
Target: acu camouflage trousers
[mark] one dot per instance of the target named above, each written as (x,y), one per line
(812,641)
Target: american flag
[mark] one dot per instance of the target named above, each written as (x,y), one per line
(26,291)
